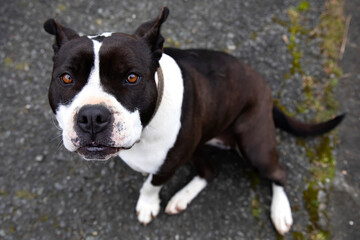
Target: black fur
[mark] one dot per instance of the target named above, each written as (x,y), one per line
(301,129)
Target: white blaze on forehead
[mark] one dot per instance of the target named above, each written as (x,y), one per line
(94,77)
(105,34)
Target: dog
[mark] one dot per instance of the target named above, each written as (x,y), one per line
(124,94)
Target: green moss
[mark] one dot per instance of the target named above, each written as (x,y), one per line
(323,159)
(254,35)
(4,193)
(310,196)
(309,101)
(43,218)
(323,102)
(8,61)
(61,7)
(12,229)
(295,28)
(55,223)
(331,104)
(25,194)
(298,236)
(255,207)
(314,230)
(322,171)
(331,28)
(282,107)
(23,66)
(172,43)
(304,6)
(322,235)
(279,237)
(280,21)
(254,179)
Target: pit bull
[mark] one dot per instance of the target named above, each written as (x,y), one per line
(124,94)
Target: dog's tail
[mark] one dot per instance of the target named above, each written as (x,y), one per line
(301,129)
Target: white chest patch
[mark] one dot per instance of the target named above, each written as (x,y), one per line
(160,135)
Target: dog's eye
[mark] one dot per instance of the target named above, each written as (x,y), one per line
(133,78)
(66,78)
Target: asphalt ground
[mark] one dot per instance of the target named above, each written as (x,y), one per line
(48,193)
(345,196)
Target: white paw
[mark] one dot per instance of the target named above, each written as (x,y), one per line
(181,199)
(282,221)
(177,204)
(147,210)
(280,210)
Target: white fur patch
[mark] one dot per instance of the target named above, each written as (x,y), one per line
(218,143)
(280,210)
(160,135)
(105,34)
(148,205)
(181,199)
(127,125)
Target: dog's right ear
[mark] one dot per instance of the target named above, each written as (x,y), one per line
(62,34)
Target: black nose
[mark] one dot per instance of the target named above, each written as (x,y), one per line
(93,118)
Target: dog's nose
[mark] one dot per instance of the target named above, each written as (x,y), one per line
(93,118)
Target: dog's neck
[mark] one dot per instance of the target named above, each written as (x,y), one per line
(161,133)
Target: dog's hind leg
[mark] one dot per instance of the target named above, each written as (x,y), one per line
(182,198)
(206,172)
(256,140)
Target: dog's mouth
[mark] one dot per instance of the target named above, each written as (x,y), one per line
(94,151)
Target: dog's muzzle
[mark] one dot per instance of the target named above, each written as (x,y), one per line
(94,128)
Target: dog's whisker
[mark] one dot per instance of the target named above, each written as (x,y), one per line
(55,138)
(59,145)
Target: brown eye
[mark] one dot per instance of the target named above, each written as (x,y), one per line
(132,78)
(66,78)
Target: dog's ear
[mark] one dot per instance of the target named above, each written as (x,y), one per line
(150,31)
(62,34)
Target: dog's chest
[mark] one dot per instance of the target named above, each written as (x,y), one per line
(160,135)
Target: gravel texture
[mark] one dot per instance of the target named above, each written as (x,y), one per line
(345,200)
(48,193)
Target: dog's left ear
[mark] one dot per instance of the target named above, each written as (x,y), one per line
(150,31)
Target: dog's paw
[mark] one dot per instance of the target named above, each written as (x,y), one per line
(282,220)
(280,211)
(147,210)
(181,199)
(177,204)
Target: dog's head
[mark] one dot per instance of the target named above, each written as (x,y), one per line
(103,90)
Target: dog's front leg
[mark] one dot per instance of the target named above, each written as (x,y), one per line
(148,205)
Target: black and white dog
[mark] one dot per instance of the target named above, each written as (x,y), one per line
(123,94)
